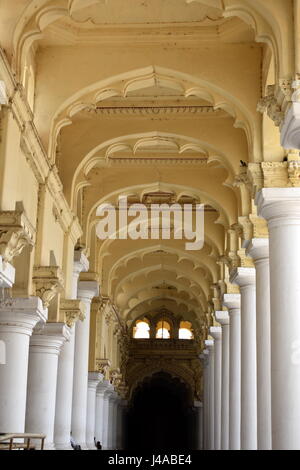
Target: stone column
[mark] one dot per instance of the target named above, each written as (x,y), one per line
(100,393)
(259,251)
(18,317)
(205,362)
(209,343)
(113,400)
(93,380)
(281,208)
(233,303)
(199,410)
(45,346)
(86,291)
(105,422)
(216,333)
(64,393)
(223,318)
(245,278)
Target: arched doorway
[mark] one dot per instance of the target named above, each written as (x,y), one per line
(161,415)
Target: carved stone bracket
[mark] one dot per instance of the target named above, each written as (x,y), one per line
(16,232)
(102,365)
(115,377)
(276,174)
(48,282)
(72,310)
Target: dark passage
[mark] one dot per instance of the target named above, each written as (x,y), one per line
(161,416)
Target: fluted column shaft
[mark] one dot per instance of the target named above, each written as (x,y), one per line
(211,375)
(64,392)
(259,250)
(245,278)
(223,318)
(281,208)
(18,317)
(45,346)
(233,303)
(86,291)
(93,380)
(216,333)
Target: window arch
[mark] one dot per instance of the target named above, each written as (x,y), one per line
(141,329)
(185,330)
(163,329)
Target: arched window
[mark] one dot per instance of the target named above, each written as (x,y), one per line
(141,329)
(185,330)
(163,329)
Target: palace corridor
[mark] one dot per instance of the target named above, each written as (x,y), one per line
(150,224)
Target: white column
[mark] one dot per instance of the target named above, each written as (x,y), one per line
(86,291)
(113,399)
(93,380)
(233,303)
(259,250)
(216,333)
(245,278)
(281,208)
(44,349)
(209,343)
(199,416)
(101,389)
(18,317)
(205,362)
(64,392)
(223,318)
(105,424)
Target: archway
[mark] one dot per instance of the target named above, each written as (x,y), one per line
(161,415)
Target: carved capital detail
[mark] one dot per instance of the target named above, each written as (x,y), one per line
(115,377)
(72,310)
(48,280)
(16,232)
(102,365)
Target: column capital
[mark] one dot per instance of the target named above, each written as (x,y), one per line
(102,365)
(216,332)
(72,310)
(87,290)
(7,274)
(279,205)
(48,280)
(16,232)
(81,263)
(243,277)
(222,317)
(20,315)
(232,301)
(50,338)
(258,248)
(93,379)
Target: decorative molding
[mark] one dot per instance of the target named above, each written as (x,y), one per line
(152,111)
(34,151)
(16,232)
(115,377)
(253,227)
(72,310)
(48,280)
(102,365)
